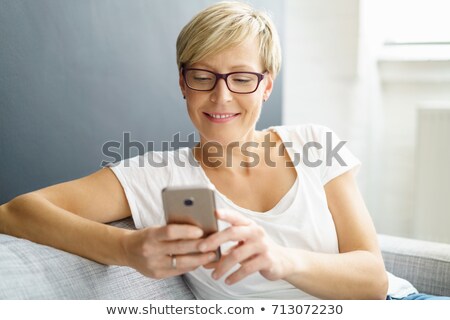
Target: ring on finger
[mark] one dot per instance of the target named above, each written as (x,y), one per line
(174,262)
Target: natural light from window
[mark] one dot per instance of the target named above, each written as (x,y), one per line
(416,21)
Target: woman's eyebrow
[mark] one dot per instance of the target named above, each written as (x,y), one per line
(235,67)
(242,66)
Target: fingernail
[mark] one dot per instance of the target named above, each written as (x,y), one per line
(212,256)
(198,233)
(214,275)
(228,281)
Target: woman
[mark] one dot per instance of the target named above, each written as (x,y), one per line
(288,229)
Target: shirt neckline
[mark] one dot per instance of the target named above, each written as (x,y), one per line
(282,205)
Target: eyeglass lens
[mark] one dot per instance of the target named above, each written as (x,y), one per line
(203,80)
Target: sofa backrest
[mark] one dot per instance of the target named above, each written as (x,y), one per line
(33,271)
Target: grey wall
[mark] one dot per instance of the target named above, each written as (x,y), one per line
(75,74)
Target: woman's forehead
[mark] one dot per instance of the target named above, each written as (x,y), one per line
(245,55)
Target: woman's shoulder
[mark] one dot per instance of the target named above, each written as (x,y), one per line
(308,132)
(156,160)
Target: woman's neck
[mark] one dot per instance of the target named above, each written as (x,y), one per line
(236,155)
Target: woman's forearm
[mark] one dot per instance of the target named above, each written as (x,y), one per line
(147,250)
(351,275)
(35,218)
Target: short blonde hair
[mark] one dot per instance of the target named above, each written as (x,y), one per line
(224,25)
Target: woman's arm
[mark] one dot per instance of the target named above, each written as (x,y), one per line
(357,272)
(35,218)
(67,216)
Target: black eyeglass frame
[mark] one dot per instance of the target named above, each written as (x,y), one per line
(223,76)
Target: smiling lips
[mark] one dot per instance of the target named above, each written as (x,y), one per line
(221,117)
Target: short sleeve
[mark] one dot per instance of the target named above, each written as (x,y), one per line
(334,154)
(142,179)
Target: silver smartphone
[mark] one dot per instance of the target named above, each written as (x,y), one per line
(193,205)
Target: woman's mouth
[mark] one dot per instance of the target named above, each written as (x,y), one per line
(221,117)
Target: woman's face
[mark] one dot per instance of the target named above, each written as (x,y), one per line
(204,107)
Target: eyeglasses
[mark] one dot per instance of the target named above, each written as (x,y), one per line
(237,82)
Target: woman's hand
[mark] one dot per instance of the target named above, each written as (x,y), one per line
(255,251)
(150,250)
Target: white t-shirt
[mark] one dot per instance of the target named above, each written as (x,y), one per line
(301,219)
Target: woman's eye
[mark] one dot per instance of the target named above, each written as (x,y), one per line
(242,80)
(200,78)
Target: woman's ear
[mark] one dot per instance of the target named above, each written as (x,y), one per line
(268,87)
(182,85)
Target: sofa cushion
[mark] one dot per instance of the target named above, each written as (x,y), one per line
(423,263)
(32,271)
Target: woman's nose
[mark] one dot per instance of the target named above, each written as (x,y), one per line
(221,93)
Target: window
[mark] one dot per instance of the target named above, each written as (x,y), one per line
(416,21)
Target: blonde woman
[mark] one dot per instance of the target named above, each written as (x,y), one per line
(288,229)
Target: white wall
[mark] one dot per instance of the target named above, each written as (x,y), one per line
(396,184)
(321,39)
(333,78)
(321,70)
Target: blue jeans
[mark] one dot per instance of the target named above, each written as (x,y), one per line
(419,296)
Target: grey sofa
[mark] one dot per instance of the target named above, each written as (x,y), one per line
(33,271)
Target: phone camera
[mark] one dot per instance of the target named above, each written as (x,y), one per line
(189,202)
